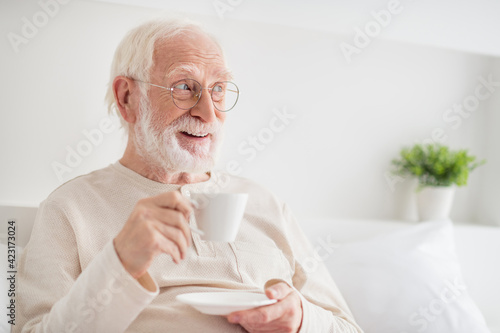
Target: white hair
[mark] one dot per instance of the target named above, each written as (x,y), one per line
(134,55)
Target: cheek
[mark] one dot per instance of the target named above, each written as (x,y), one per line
(165,111)
(221,116)
(161,100)
(166,116)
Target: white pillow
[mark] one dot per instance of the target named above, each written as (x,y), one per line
(406,281)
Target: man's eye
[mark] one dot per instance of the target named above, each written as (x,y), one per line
(182,86)
(218,88)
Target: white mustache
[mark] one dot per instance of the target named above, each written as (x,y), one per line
(194,126)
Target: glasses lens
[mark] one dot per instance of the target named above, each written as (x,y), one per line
(186,93)
(225,95)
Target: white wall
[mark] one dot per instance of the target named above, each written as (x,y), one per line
(489,198)
(330,160)
(456,24)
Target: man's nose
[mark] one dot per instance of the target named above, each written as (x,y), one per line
(204,109)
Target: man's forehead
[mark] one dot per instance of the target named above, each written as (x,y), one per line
(194,70)
(190,56)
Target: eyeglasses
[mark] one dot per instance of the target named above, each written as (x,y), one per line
(186,94)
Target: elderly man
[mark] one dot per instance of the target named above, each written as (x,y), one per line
(110,250)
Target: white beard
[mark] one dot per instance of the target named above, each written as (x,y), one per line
(162,150)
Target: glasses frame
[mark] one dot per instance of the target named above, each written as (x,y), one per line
(171,89)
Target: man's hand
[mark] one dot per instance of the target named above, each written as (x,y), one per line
(284,316)
(156,225)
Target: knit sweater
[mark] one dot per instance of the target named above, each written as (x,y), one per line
(71,279)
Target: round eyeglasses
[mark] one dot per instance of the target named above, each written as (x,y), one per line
(186,94)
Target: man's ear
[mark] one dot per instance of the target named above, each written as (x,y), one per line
(127,97)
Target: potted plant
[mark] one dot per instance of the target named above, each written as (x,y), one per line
(438,170)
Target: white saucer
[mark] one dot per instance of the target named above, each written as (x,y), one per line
(223,303)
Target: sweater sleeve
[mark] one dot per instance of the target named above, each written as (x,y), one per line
(324,308)
(54,295)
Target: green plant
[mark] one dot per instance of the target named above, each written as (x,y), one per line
(435,165)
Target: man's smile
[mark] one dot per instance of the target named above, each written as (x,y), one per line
(195,135)
(196,138)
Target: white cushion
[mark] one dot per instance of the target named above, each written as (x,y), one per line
(478,250)
(405,281)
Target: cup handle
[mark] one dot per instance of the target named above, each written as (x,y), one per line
(195,204)
(193,229)
(196,231)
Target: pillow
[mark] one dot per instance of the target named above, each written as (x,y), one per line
(406,281)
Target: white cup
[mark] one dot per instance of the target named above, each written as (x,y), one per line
(218,215)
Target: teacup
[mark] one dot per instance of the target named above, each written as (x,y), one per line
(218,215)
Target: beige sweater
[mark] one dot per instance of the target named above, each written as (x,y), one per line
(71,280)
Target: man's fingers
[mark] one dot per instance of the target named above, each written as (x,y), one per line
(175,219)
(176,236)
(170,248)
(285,315)
(157,224)
(263,314)
(279,290)
(174,200)
(171,212)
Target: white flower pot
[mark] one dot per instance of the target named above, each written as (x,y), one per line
(434,203)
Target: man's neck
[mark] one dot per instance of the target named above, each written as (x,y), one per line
(135,162)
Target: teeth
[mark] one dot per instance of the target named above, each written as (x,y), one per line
(198,135)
